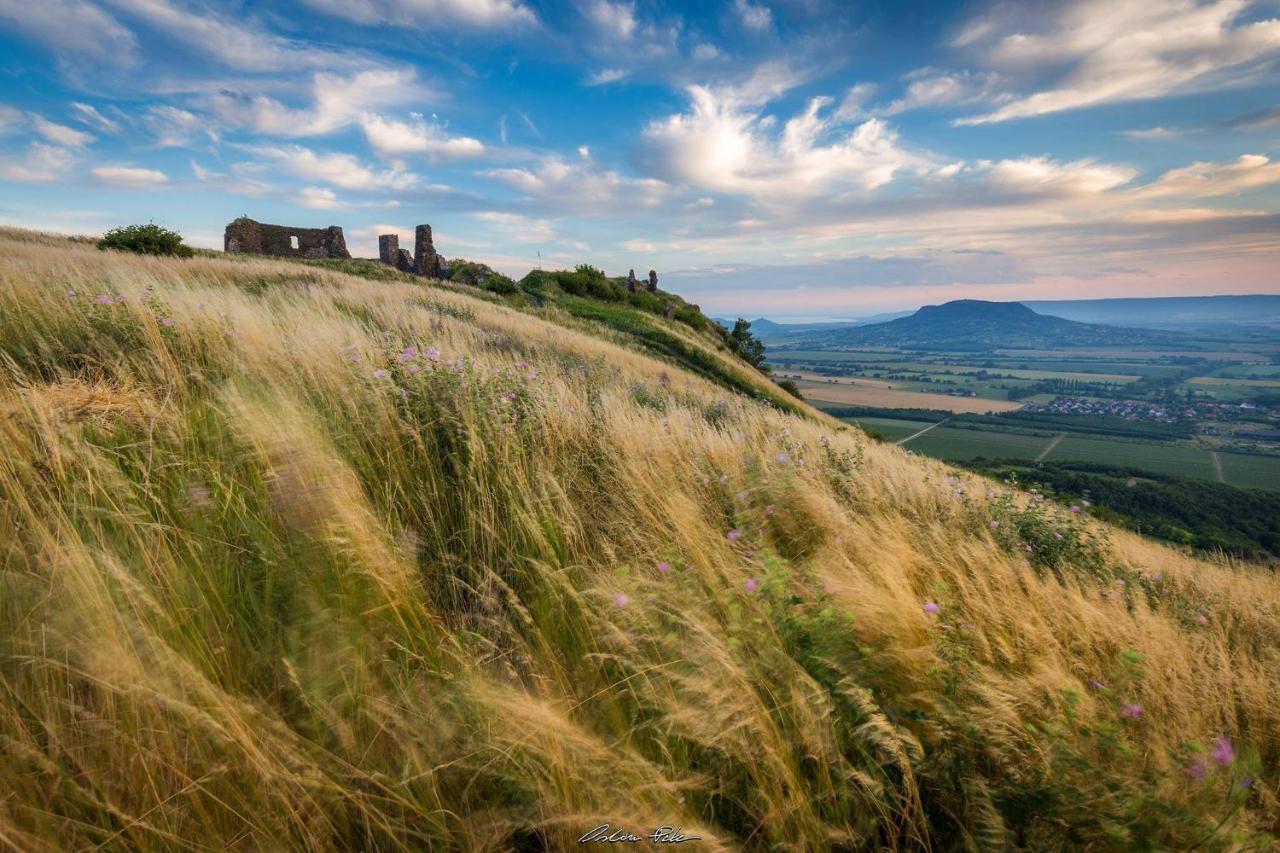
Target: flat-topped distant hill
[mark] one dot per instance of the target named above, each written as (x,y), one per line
(972,324)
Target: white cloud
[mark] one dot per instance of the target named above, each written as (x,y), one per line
(854,100)
(617,20)
(1205,180)
(130,176)
(1042,176)
(1153,133)
(42,164)
(582,186)
(705,52)
(388,136)
(174,127)
(1123,50)
(428,14)
(90,116)
(10,118)
(754,16)
(340,170)
(60,134)
(520,228)
(318,198)
(724,143)
(233,43)
(76,30)
(337,101)
(929,87)
(605,76)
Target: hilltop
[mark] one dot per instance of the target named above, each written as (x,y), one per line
(301,558)
(972,324)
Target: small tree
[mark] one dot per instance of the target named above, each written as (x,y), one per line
(747,345)
(149,239)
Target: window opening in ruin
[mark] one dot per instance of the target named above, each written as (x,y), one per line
(293,241)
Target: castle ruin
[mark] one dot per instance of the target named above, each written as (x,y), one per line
(424,260)
(250,237)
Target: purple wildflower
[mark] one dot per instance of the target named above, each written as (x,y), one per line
(664,567)
(1197,769)
(1223,752)
(431,354)
(994,525)
(621,599)
(1057,535)
(71,293)
(409,354)
(931,607)
(1096,684)
(404,393)
(166,321)
(783,457)
(735,534)
(1132,710)
(379,374)
(1075,507)
(769,510)
(724,479)
(752,584)
(103,299)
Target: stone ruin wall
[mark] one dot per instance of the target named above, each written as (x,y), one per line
(250,237)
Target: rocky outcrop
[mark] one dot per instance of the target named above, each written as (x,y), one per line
(632,287)
(248,236)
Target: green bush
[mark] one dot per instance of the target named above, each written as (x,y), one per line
(149,239)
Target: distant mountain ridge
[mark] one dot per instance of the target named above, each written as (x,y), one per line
(974,324)
(1167,312)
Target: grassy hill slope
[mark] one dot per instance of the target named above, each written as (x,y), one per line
(300,559)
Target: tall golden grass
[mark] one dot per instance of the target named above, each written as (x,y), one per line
(272,579)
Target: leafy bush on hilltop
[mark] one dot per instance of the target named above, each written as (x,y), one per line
(149,239)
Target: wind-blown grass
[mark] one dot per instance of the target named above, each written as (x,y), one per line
(295,559)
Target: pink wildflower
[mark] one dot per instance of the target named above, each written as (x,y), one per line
(621,600)
(71,293)
(931,607)
(166,321)
(379,374)
(735,534)
(769,510)
(1197,769)
(664,567)
(752,584)
(1132,710)
(409,354)
(431,354)
(1075,507)
(103,299)
(994,525)
(783,457)
(1223,752)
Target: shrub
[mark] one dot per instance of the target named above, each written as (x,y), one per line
(149,239)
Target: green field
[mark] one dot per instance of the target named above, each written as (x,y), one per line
(1166,458)
(1251,472)
(964,444)
(960,444)
(891,428)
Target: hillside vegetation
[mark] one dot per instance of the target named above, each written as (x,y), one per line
(299,559)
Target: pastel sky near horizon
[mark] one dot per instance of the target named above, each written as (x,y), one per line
(795,159)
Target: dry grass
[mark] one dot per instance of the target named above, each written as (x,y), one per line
(862,394)
(255,595)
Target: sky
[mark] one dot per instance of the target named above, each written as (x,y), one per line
(795,159)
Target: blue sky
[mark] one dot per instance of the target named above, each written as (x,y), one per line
(793,159)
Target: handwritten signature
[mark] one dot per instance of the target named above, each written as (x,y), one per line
(664,834)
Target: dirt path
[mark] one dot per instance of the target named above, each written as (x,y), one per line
(1057,439)
(923,431)
(1217,465)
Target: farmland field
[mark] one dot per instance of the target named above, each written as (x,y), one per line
(1251,471)
(1180,459)
(964,444)
(861,395)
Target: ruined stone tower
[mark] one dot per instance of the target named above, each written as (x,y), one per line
(425,260)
